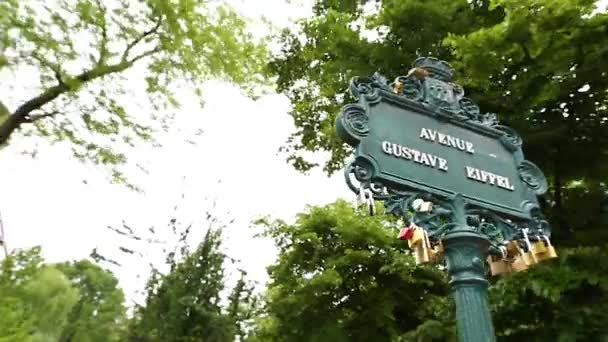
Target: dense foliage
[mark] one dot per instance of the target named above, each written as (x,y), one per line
(343,276)
(185,304)
(540,65)
(66,302)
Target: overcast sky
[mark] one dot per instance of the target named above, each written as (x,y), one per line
(64,206)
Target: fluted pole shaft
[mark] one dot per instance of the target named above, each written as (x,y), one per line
(465,251)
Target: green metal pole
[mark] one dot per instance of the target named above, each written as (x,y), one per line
(465,251)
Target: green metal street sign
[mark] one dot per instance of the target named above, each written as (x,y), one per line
(457,178)
(437,142)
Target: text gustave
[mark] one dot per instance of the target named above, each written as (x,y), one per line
(439,163)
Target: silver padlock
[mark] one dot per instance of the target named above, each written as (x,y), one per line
(422,206)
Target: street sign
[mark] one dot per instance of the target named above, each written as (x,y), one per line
(422,134)
(456,177)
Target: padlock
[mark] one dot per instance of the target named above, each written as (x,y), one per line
(499,266)
(529,256)
(539,247)
(418,236)
(513,249)
(417,203)
(426,207)
(550,249)
(520,260)
(421,246)
(519,264)
(434,251)
(398,87)
(421,254)
(547,251)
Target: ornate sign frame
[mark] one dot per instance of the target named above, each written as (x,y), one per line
(427,91)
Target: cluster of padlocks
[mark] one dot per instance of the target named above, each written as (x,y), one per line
(514,258)
(418,240)
(517,255)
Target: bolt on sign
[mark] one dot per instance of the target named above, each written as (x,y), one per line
(421,137)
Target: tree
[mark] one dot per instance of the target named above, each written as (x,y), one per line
(82,51)
(562,300)
(343,41)
(539,65)
(99,314)
(543,68)
(343,276)
(75,301)
(36,298)
(185,304)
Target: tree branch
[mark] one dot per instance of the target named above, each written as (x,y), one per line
(21,115)
(55,68)
(33,118)
(103,48)
(143,36)
(145,54)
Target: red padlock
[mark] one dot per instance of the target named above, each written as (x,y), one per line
(406,233)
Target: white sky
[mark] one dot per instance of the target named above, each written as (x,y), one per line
(45,202)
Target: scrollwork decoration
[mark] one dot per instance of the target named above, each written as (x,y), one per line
(353,124)
(443,218)
(368,87)
(469,109)
(533,177)
(510,139)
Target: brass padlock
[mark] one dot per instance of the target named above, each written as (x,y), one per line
(529,256)
(398,87)
(539,247)
(547,251)
(421,253)
(434,252)
(520,260)
(519,264)
(417,238)
(499,266)
(421,247)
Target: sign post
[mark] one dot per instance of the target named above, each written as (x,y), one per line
(456,177)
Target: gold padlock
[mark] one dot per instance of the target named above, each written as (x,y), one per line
(513,249)
(529,257)
(434,252)
(421,247)
(519,264)
(546,252)
(499,266)
(422,254)
(417,238)
(398,87)
(539,247)
(520,260)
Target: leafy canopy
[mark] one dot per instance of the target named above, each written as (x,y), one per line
(67,302)
(342,276)
(185,304)
(342,41)
(540,65)
(79,59)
